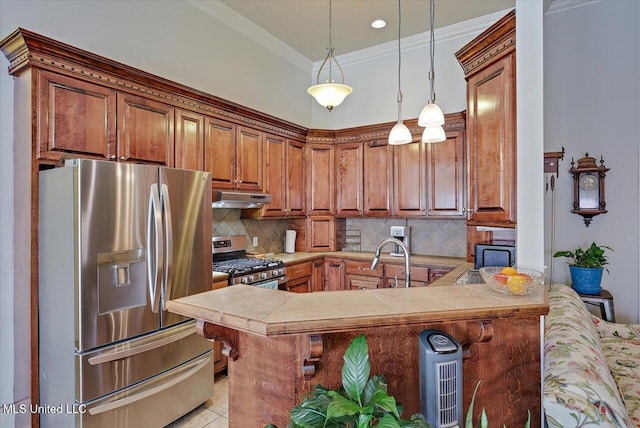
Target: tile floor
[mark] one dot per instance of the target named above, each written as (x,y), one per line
(211,414)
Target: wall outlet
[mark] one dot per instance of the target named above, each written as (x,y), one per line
(255,241)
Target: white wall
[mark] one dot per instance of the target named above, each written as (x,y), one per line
(592,104)
(181,43)
(171,39)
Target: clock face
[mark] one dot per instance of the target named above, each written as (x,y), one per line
(588,182)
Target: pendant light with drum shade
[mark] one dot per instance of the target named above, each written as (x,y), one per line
(399,134)
(431,116)
(329,94)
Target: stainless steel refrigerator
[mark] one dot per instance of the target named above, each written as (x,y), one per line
(116,241)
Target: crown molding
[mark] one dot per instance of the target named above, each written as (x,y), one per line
(233,19)
(468,28)
(556,6)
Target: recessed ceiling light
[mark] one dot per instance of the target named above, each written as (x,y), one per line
(379,23)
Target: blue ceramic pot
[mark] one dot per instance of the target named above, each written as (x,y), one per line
(586,280)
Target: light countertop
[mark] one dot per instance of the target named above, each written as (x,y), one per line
(269,312)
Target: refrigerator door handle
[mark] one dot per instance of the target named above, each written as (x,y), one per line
(119,355)
(155,256)
(168,241)
(197,365)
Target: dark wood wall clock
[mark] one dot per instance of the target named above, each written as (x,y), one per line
(588,187)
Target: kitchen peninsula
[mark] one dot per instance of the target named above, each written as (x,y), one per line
(281,344)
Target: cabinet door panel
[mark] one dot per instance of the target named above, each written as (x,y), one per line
(377,170)
(274,176)
(249,152)
(75,117)
(220,152)
(356,282)
(333,275)
(145,130)
(295,179)
(409,171)
(189,140)
(491,119)
(445,187)
(321,233)
(349,180)
(320,178)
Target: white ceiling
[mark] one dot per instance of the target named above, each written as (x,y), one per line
(304,24)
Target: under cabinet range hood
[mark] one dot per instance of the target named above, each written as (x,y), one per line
(232,199)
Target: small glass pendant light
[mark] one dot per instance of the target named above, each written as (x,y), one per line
(399,134)
(431,116)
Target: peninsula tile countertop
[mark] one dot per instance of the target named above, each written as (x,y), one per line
(267,312)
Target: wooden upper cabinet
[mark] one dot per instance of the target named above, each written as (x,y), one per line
(409,183)
(145,130)
(274,176)
(320,182)
(445,177)
(489,65)
(283,177)
(295,186)
(249,159)
(492,148)
(378,178)
(189,141)
(220,150)
(75,117)
(349,182)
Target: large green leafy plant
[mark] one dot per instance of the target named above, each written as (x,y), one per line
(592,257)
(360,402)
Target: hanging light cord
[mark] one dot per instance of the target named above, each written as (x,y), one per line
(330,43)
(329,56)
(432,49)
(399,64)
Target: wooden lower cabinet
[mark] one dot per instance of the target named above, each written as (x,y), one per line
(333,275)
(300,277)
(437,272)
(317,276)
(419,275)
(360,276)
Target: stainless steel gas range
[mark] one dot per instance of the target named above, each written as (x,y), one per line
(230,257)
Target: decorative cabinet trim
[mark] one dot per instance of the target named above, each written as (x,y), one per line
(494,43)
(24,48)
(380,131)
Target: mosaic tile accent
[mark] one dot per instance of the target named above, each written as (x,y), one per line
(270,232)
(432,237)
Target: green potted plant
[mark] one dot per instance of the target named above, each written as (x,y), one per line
(586,266)
(360,401)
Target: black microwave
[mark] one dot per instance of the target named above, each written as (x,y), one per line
(495,253)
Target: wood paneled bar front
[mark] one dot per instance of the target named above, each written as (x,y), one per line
(280,344)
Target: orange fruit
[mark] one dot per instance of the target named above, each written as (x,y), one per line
(518,283)
(500,278)
(509,271)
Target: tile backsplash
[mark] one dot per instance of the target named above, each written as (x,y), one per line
(270,233)
(433,237)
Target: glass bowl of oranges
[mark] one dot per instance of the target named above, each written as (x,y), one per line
(512,280)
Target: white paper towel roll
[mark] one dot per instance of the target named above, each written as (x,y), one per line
(290,241)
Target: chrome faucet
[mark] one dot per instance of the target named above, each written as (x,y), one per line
(407,263)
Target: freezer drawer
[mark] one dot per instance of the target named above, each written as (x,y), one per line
(110,369)
(153,403)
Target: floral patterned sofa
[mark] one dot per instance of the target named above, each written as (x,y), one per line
(591,367)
